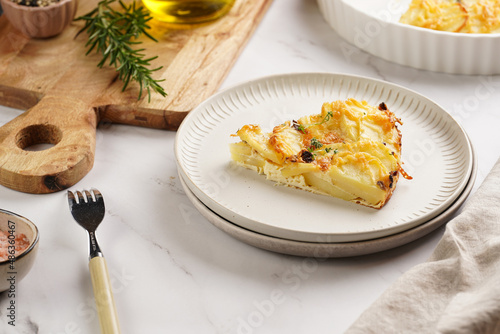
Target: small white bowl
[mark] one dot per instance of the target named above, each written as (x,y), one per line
(372,26)
(13,271)
(40,22)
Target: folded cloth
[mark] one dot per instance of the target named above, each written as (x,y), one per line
(457,290)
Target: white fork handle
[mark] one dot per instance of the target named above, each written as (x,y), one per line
(103,295)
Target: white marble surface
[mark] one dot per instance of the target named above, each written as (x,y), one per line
(171,270)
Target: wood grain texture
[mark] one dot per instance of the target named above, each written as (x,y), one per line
(66,95)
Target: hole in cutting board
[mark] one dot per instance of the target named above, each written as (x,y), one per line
(38,137)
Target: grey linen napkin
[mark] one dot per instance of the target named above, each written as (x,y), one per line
(457,290)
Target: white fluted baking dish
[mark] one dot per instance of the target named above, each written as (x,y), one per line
(372,26)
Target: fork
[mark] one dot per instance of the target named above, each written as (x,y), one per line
(87,208)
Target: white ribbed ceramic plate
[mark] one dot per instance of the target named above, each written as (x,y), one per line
(372,26)
(436,151)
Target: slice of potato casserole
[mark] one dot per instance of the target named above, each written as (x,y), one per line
(352,151)
(465,16)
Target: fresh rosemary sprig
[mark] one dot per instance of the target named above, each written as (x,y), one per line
(113,34)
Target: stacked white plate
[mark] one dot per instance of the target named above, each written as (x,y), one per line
(373,26)
(436,151)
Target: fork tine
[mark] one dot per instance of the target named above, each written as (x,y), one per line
(97,194)
(88,196)
(81,199)
(71,199)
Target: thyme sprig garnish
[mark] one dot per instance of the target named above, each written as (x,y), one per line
(315,144)
(113,33)
(302,128)
(326,118)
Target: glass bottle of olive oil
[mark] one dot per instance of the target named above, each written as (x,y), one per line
(187,13)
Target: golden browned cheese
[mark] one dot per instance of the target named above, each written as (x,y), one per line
(465,16)
(351,150)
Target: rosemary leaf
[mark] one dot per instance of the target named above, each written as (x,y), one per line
(113,33)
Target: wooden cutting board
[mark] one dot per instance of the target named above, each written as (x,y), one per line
(65,95)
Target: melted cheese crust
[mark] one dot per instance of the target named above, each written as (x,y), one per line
(465,16)
(351,150)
